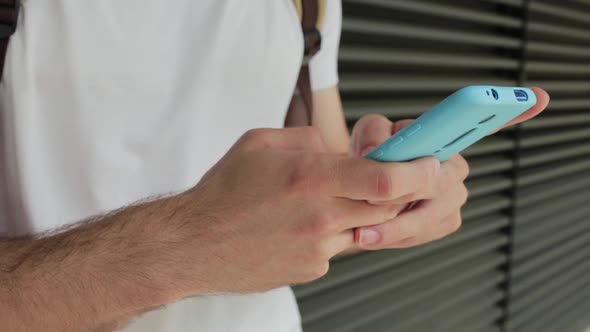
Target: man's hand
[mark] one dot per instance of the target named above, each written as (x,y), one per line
(278,206)
(437,214)
(271,212)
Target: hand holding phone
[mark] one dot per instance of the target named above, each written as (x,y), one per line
(456,123)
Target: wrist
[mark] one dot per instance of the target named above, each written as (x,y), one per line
(154,253)
(179,248)
(124,263)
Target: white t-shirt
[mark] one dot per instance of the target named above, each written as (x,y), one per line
(106,102)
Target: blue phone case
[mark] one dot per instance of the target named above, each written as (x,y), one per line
(456,123)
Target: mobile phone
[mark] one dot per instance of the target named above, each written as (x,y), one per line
(459,121)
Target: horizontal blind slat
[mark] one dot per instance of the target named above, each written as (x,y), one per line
(443,10)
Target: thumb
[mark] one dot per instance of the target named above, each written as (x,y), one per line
(372,130)
(368,132)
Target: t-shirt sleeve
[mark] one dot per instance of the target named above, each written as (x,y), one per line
(324,65)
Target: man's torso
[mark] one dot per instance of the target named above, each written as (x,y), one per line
(107,102)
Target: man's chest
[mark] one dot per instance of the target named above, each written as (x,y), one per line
(155,50)
(121,71)
(105,102)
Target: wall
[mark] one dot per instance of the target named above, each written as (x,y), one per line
(520,261)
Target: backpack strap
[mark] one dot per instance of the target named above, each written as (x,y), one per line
(8,20)
(311,13)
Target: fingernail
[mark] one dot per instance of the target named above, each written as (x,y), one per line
(369,236)
(365,150)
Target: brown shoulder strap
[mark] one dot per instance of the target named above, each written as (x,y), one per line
(310,16)
(8,20)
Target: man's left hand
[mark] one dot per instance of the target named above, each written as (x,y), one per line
(436,214)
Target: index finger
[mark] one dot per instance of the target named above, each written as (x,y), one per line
(364,179)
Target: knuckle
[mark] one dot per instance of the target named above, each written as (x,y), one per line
(464,194)
(463,168)
(371,129)
(256,138)
(373,120)
(445,185)
(317,271)
(298,181)
(254,134)
(383,183)
(455,223)
(321,223)
(302,179)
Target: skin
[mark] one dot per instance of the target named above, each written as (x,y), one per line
(438,213)
(224,236)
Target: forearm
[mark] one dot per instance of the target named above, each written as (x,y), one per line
(89,275)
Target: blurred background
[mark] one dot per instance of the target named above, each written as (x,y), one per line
(521,260)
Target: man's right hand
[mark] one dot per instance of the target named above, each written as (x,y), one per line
(270,213)
(277,207)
